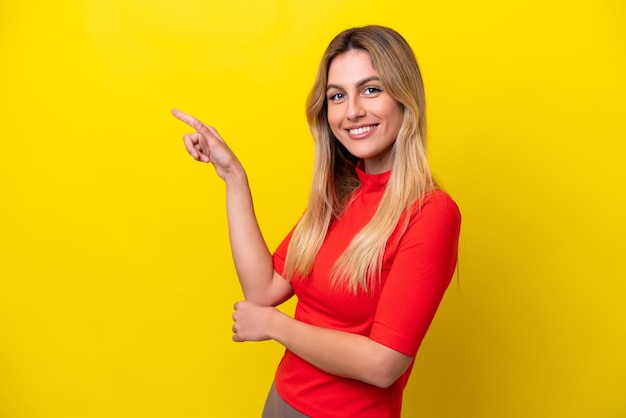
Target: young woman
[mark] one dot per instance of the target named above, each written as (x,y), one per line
(374,252)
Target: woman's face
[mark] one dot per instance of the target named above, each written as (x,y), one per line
(362,115)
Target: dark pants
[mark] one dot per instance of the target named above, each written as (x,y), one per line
(275,407)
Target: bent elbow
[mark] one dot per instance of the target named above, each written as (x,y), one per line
(388,369)
(384,376)
(385,381)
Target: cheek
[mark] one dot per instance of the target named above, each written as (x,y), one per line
(396,116)
(333,116)
(334,120)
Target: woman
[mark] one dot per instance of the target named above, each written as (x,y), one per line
(374,251)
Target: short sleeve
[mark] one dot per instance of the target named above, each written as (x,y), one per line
(280,255)
(419,275)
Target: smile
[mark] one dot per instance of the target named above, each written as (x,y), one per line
(361,130)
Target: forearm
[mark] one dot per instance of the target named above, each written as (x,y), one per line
(340,353)
(253,261)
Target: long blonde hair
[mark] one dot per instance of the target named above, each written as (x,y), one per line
(334,175)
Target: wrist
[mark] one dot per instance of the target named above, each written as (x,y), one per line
(236,175)
(275,324)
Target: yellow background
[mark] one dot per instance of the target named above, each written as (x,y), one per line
(116,286)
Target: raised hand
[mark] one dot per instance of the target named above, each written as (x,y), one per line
(207,146)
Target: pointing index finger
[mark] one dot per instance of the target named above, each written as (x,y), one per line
(188,119)
(194,123)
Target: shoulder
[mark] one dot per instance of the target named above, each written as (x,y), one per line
(433,218)
(428,237)
(436,204)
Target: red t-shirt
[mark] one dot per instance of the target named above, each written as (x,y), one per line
(417,268)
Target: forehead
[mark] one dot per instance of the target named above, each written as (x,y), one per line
(351,67)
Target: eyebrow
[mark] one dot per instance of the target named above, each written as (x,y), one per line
(359,84)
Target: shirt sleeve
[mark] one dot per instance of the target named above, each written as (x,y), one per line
(419,276)
(280,255)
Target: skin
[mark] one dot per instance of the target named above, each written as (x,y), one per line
(256,319)
(361,114)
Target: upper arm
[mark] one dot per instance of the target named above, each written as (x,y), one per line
(419,276)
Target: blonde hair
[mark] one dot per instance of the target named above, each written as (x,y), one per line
(334,175)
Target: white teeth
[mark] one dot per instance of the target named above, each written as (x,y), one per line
(360,131)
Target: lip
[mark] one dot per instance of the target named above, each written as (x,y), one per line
(362,135)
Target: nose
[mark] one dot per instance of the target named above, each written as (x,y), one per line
(355,108)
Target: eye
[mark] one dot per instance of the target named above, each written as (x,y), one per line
(369,91)
(336,97)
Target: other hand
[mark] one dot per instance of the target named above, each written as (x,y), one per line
(252,322)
